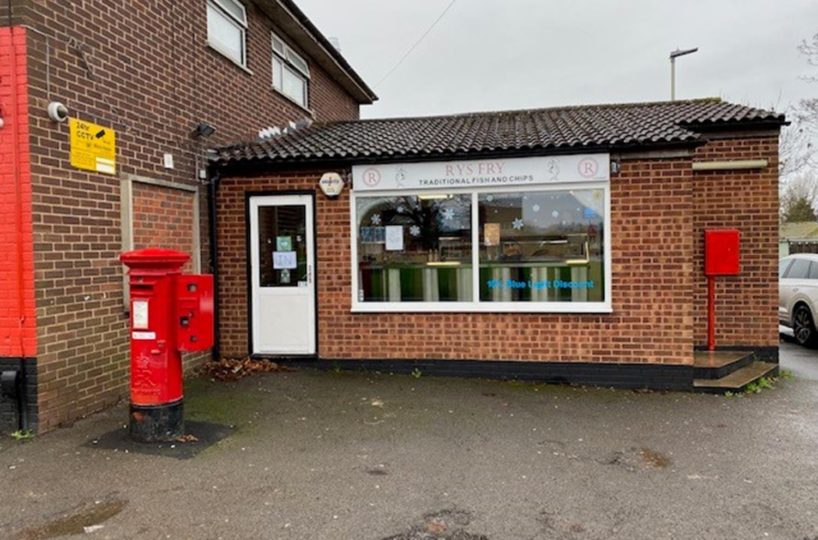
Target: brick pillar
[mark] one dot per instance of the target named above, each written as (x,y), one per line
(18,340)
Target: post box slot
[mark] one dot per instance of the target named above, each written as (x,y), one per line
(141,286)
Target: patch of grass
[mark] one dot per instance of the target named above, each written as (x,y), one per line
(764,383)
(785,374)
(416,373)
(22,435)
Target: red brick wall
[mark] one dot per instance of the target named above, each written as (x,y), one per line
(652,231)
(142,68)
(161,216)
(747,305)
(17,318)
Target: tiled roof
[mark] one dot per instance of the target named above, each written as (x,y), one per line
(560,129)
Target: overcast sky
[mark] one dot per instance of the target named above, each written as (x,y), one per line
(509,54)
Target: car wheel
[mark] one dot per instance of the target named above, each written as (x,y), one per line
(803,326)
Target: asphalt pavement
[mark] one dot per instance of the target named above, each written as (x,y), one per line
(310,455)
(801,361)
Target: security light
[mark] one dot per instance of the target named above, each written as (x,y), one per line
(203,131)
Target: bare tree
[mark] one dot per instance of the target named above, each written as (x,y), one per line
(798,148)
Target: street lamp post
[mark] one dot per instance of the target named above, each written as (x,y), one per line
(673,55)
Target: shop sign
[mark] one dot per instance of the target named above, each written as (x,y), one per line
(523,171)
(93,147)
(331,184)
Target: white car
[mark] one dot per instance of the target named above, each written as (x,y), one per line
(798,296)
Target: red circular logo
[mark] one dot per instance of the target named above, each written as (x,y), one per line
(588,168)
(372,177)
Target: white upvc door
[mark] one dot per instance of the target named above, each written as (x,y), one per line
(282,274)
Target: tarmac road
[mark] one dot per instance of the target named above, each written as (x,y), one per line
(355,456)
(803,362)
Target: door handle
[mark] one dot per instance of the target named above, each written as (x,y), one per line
(309,274)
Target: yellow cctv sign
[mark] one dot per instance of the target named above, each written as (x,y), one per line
(93,147)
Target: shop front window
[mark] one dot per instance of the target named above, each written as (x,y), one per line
(542,246)
(414,248)
(518,235)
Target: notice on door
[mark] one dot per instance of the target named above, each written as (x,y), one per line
(284,243)
(284,260)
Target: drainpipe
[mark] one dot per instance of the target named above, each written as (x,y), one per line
(212,190)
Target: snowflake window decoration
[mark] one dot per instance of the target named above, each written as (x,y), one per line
(517,224)
(448,214)
(414,230)
(376,219)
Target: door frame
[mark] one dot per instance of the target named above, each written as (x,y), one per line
(248,195)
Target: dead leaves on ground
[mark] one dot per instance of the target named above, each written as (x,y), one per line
(233,369)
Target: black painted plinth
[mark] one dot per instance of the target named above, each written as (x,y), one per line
(157,423)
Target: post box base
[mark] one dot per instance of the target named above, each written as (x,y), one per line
(157,423)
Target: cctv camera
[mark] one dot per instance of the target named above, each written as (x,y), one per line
(57,111)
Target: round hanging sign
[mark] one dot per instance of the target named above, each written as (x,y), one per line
(331,184)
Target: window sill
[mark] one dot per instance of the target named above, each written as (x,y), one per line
(557,308)
(226,55)
(294,102)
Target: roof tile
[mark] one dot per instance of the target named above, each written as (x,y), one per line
(598,126)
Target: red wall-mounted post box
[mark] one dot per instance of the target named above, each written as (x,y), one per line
(721,252)
(170,313)
(194,312)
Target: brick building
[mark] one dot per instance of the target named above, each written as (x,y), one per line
(561,244)
(148,73)
(556,244)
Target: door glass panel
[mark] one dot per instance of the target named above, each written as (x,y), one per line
(282,246)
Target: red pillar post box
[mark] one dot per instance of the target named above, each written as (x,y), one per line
(170,313)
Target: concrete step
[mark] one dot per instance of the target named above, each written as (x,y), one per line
(738,380)
(718,364)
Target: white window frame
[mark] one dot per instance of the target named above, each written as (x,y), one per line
(288,60)
(476,305)
(240,24)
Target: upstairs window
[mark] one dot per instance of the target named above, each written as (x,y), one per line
(226,29)
(291,73)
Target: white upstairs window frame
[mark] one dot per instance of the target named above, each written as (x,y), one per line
(228,16)
(290,72)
